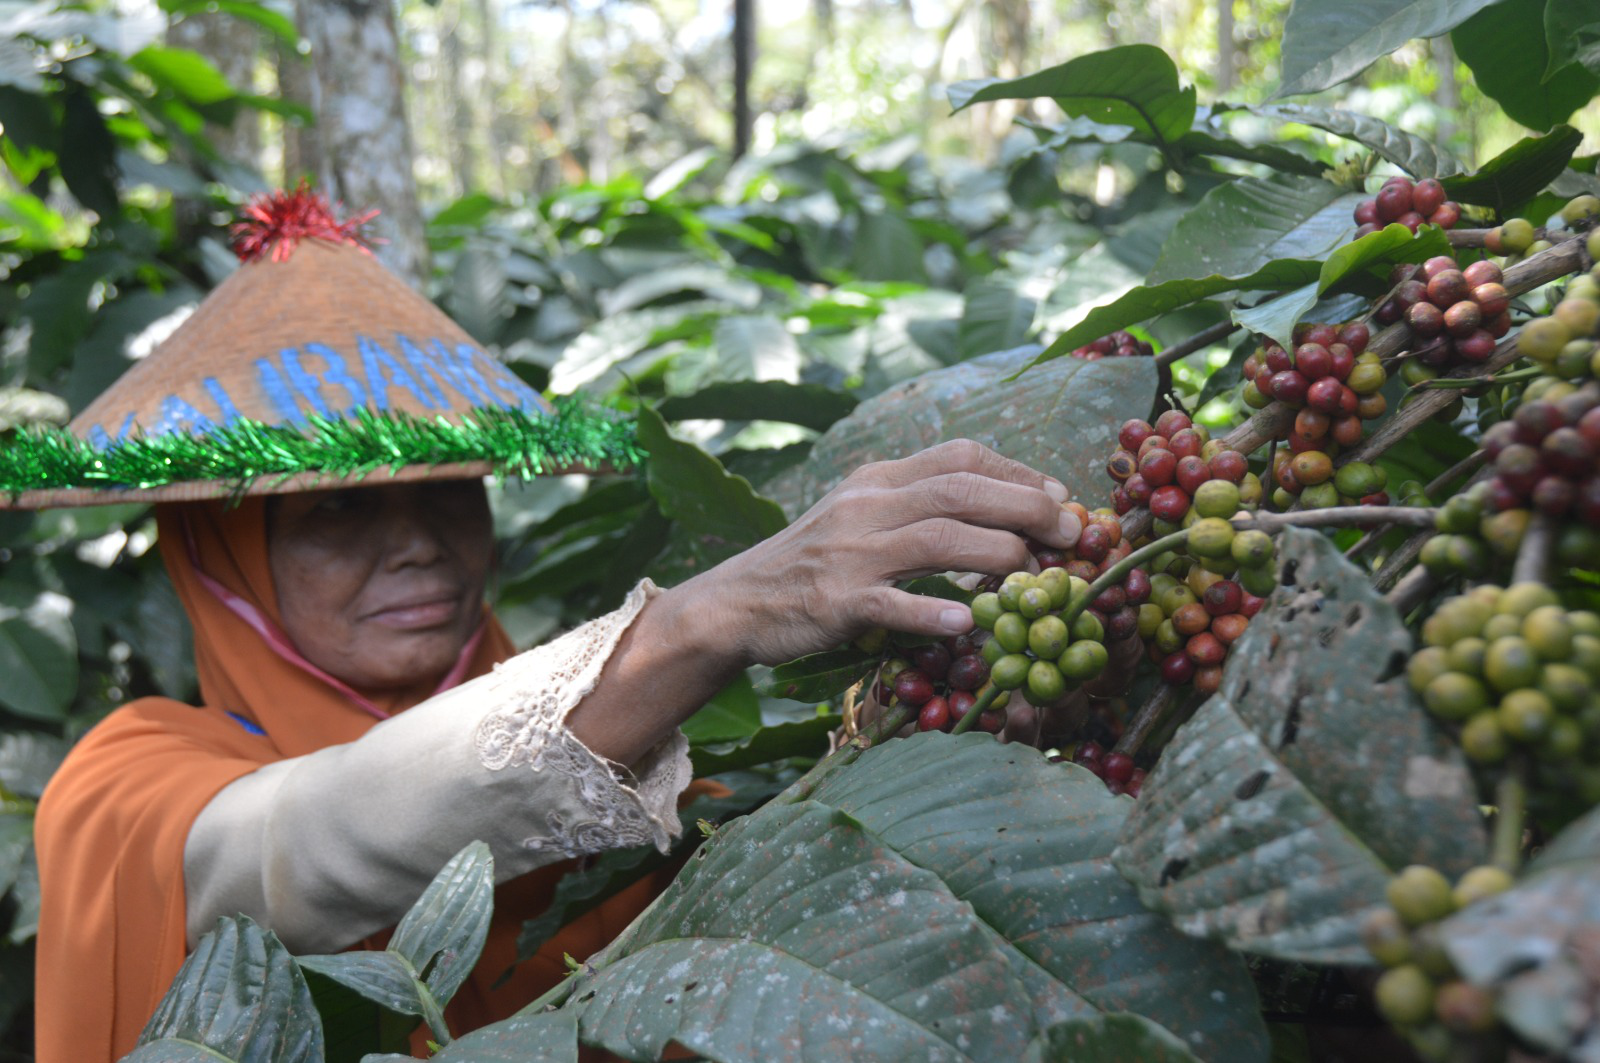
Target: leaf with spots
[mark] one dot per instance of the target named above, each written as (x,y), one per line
(1277,814)
(940,898)
(1061,418)
(1537,946)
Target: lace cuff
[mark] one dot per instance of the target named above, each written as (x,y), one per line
(536,691)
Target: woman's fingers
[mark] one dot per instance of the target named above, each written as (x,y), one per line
(962,455)
(941,544)
(991,503)
(916,614)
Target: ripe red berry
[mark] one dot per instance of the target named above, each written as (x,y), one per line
(1290,387)
(1356,336)
(1567,452)
(1278,359)
(935,715)
(1223,597)
(1463,318)
(1412,220)
(1133,433)
(1589,427)
(1366,212)
(1482,272)
(1344,360)
(1520,468)
(1172,422)
(1205,650)
(1427,196)
(1158,467)
(1448,288)
(1313,360)
(1411,293)
(1324,395)
(1177,669)
(1229,629)
(1476,346)
(1151,443)
(992,721)
(960,702)
(1447,216)
(1321,335)
(1347,431)
(1228,465)
(1251,604)
(967,673)
(1088,751)
(1498,325)
(1095,543)
(1537,419)
(1169,503)
(932,661)
(1137,489)
(1192,472)
(1381,498)
(1110,600)
(1435,352)
(1185,443)
(1135,782)
(912,687)
(1392,202)
(1586,507)
(1437,264)
(1137,586)
(1124,623)
(1554,495)
(1492,298)
(1425,319)
(1118,767)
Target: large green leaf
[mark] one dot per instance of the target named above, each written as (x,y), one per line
(1113,1038)
(189,74)
(1276,816)
(1329,41)
(997,317)
(89,166)
(816,677)
(1062,418)
(810,405)
(1519,173)
(261,14)
(1242,226)
(607,874)
(1572,34)
(1535,945)
(1411,153)
(733,713)
(1505,46)
(802,738)
(694,489)
(542,1036)
(942,898)
(593,357)
(27,760)
(38,652)
(1135,85)
(432,950)
(239,997)
(16,839)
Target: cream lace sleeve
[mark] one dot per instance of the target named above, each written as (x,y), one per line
(330,847)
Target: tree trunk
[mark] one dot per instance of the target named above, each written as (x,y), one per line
(302,143)
(1225,49)
(230,44)
(361,121)
(461,120)
(744,58)
(1448,93)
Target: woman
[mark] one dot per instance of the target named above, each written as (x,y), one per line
(355,730)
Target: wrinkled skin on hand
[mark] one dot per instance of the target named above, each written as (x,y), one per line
(830,575)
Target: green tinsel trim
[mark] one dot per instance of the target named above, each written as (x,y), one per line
(515,443)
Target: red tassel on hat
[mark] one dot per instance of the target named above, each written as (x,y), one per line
(275,223)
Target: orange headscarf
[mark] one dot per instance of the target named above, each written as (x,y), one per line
(112,824)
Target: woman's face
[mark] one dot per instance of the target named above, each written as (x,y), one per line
(381,586)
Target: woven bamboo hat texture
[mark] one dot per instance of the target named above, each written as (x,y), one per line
(311,366)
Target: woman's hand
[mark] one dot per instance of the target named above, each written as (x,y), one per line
(830,575)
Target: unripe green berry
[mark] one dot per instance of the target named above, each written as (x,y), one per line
(1058,584)
(1482,740)
(1011,671)
(1517,235)
(1084,661)
(1542,339)
(1047,637)
(1405,995)
(1525,715)
(1386,937)
(1033,603)
(1045,683)
(1011,631)
(1454,696)
(1466,656)
(986,609)
(1426,665)
(1086,627)
(1216,498)
(1252,549)
(1420,894)
(1483,881)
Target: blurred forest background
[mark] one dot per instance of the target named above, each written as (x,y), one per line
(743,218)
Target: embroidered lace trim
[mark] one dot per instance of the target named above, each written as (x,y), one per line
(535,691)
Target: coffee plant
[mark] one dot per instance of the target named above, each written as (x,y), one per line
(1300,740)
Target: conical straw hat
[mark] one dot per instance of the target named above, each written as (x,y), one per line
(310,339)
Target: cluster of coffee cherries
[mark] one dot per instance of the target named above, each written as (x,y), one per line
(1421,992)
(940,680)
(1455,314)
(1563,343)
(1515,670)
(1192,620)
(1330,373)
(1120,344)
(1547,458)
(1117,770)
(1032,647)
(1166,466)
(1517,236)
(1411,204)
(1100,546)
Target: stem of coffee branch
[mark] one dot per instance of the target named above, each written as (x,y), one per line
(1511,803)
(1161,701)
(986,697)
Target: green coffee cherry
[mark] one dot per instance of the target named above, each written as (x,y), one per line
(1420,894)
(1047,637)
